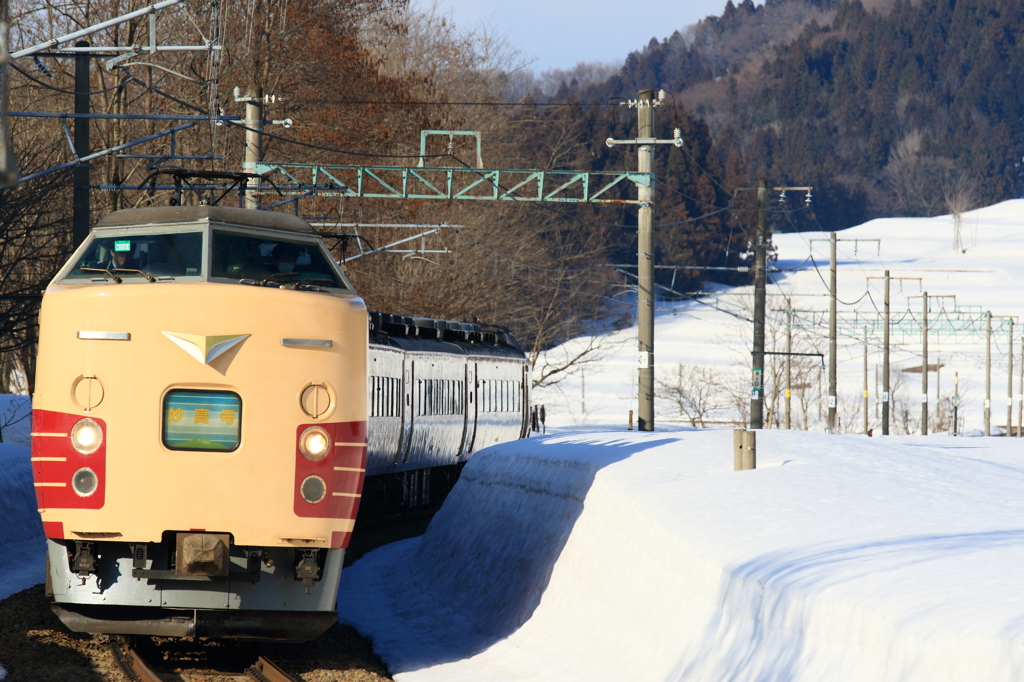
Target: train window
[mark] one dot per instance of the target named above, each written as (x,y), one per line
(273,261)
(140,257)
(202,420)
(385,397)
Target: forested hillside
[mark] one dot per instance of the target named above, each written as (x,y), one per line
(887,107)
(892,107)
(360,79)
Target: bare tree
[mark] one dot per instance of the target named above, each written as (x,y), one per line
(694,390)
(33,245)
(961,195)
(17,412)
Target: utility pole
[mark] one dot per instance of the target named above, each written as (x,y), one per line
(253,137)
(988,373)
(789,359)
(924,364)
(832,334)
(645,263)
(956,400)
(645,142)
(760,267)
(886,398)
(9,173)
(1009,382)
(80,175)
(865,381)
(1020,393)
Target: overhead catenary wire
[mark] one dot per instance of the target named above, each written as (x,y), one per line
(32,78)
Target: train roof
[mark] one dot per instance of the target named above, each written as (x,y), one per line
(241,217)
(425,334)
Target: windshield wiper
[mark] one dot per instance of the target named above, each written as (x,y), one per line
(102,272)
(274,276)
(129,271)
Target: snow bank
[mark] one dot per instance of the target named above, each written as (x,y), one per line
(644,556)
(22,547)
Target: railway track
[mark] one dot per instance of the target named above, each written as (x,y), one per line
(137,669)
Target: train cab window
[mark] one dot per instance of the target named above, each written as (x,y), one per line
(273,262)
(140,258)
(202,420)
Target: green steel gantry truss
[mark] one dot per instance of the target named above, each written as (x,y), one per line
(963,324)
(472,184)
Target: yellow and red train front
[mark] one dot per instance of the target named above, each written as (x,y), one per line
(267,384)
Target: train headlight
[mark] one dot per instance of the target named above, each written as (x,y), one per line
(314,443)
(86,436)
(313,489)
(84,482)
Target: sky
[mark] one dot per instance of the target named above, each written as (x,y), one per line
(559,35)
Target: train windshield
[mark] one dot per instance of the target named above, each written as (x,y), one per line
(273,262)
(141,258)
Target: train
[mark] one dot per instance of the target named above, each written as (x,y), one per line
(215,406)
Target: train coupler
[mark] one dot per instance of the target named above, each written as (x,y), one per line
(84,561)
(308,568)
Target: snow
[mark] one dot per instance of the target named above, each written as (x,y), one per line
(618,555)
(986,272)
(595,553)
(22,545)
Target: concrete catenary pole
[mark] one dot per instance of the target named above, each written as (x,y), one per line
(988,373)
(1009,381)
(760,259)
(645,265)
(789,362)
(80,175)
(865,380)
(253,138)
(956,400)
(1020,392)
(924,364)
(832,334)
(886,398)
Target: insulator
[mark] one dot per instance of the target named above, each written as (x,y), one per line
(807,199)
(782,197)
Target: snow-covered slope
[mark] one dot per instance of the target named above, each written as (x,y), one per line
(22,548)
(987,272)
(612,556)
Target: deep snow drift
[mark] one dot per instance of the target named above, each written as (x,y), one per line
(611,556)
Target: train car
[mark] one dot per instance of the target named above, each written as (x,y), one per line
(438,391)
(200,422)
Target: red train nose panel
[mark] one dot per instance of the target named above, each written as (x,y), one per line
(342,470)
(55,461)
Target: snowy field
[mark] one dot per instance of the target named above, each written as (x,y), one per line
(987,272)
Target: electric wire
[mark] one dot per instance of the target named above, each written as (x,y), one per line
(237,124)
(62,90)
